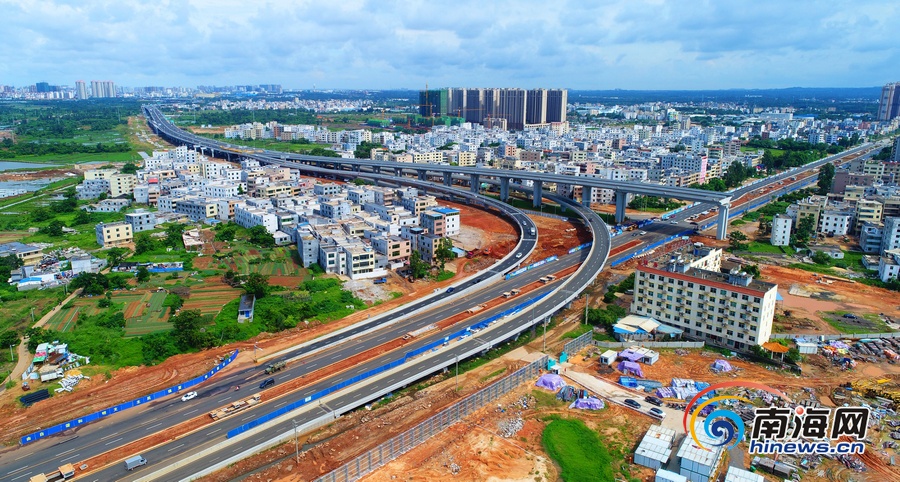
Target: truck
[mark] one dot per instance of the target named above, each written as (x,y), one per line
(547,279)
(50,373)
(510,293)
(420,331)
(274,367)
(64,472)
(380,281)
(234,408)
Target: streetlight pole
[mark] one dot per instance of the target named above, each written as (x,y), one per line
(457,373)
(11,353)
(545,337)
(587,300)
(296,441)
(32,315)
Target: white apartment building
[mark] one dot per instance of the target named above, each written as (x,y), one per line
(113,234)
(197,208)
(122,184)
(837,223)
(223,189)
(451,220)
(727,309)
(248,217)
(781,230)
(890,236)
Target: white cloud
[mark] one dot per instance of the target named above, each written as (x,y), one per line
(384,44)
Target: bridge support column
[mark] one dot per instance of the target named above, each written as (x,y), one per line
(355,167)
(722,222)
(587,192)
(398,172)
(538,193)
(474,183)
(376,169)
(504,189)
(621,196)
(448,178)
(423,174)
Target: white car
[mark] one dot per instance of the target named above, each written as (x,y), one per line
(673,222)
(518,255)
(189,396)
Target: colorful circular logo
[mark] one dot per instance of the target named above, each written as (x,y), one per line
(721,424)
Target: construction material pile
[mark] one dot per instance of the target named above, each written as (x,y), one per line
(551,381)
(510,427)
(589,403)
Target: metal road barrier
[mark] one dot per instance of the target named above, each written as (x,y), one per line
(578,344)
(125,406)
(532,266)
(379,456)
(651,246)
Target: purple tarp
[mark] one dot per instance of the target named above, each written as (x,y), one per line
(590,403)
(721,366)
(551,381)
(839,345)
(631,368)
(630,355)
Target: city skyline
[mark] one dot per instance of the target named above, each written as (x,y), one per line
(635,45)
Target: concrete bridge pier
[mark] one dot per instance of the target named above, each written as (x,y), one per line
(398,172)
(474,183)
(538,193)
(722,222)
(587,193)
(423,174)
(621,196)
(504,189)
(448,178)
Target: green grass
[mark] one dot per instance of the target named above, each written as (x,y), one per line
(578,451)
(546,399)
(15,306)
(493,374)
(444,276)
(835,319)
(757,247)
(737,222)
(78,158)
(582,329)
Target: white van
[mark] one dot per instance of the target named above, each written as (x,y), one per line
(135,461)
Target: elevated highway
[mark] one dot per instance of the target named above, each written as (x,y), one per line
(167,130)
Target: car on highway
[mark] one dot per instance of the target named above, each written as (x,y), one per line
(642,233)
(632,403)
(267,383)
(673,222)
(189,396)
(658,413)
(450,290)
(518,255)
(653,400)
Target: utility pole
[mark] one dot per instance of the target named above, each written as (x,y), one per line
(32,315)
(10,352)
(587,299)
(296,441)
(545,337)
(255,360)
(457,372)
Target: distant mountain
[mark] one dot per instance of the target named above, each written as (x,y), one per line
(760,97)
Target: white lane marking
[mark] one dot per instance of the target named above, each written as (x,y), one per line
(176,447)
(108,436)
(114,441)
(157,425)
(283,377)
(214,431)
(70,458)
(19,477)
(192,411)
(222,400)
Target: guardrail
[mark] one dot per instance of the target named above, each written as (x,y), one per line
(579,248)
(379,456)
(651,246)
(383,368)
(650,344)
(125,406)
(531,266)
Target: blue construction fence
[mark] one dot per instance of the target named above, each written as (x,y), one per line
(652,246)
(530,266)
(669,214)
(125,406)
(579,248)
(433,346)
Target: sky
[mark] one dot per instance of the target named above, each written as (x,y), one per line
(358,44)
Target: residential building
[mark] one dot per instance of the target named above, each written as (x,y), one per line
(141,220)
(249,216)
(451,220)
(113,234)
(781,230)
(30,255)
(835,222)
(844,178)
(122,184)
(867,211)
(890,235)
(92,188)
(870,237)
(889,107)
(731,309)
(307,247)
(198,208)
(108,206)
(434,222)
(811,207)
(427,245)
(395,248)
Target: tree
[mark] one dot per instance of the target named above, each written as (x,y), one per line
(820,257)
(417,268)
(41,214)
(53,229)
(260,237)
(9,263)
(793,356)
(173,235)
(156,347)
(806,228)
(364,149)
(128,168)
(752,270)
(143,243)
(826,178)
(9,338)
(91,283)
(444,252)
(115,256)
(256,284)
(736,241)
(143,274)
(241,188)
(82,217)
(187,327)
